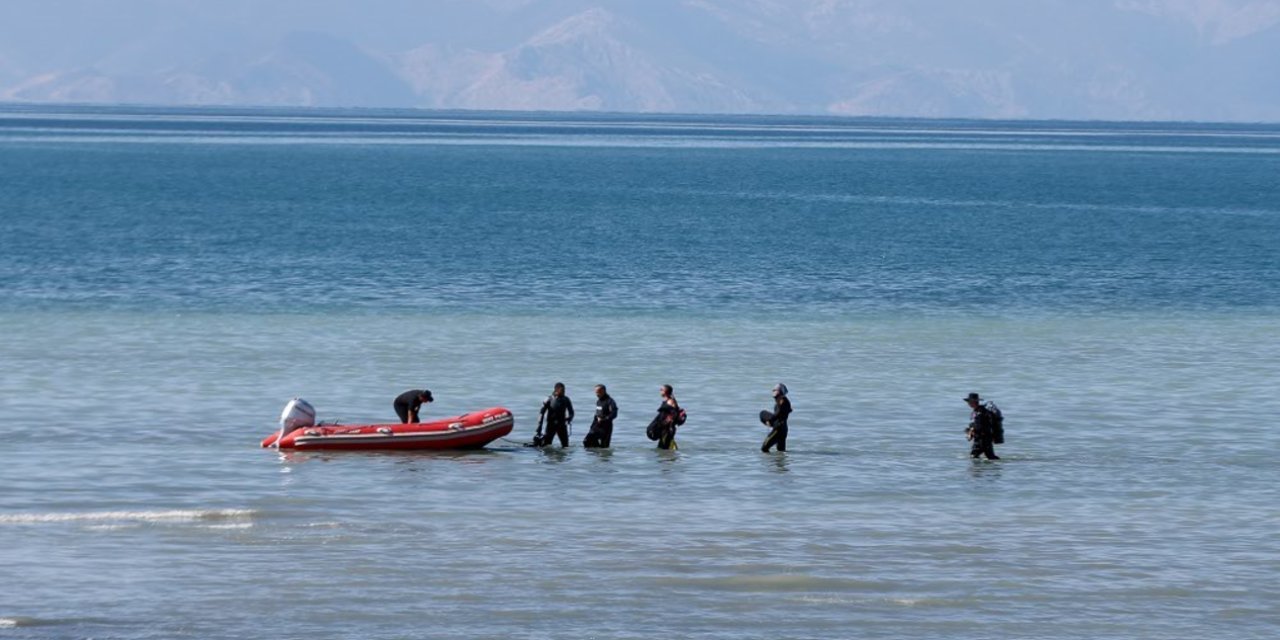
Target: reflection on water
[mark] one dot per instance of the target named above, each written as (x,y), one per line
(667,460)
(602,455)
(553,454)
(777,462)
(986,470)
(399,457)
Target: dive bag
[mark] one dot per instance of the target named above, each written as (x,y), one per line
(997,422)
(654,430)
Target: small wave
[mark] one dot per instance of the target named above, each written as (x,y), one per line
(903,602)
(830,600)
(14,622)
(169,515)
(773,583)
(932,602)
(231,525)
(113,526)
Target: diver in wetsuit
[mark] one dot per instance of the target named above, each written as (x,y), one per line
(981,430)
(776,420)
(601,431)
(557,410)
(663,426)
(408,403)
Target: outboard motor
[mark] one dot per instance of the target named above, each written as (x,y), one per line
(298,414)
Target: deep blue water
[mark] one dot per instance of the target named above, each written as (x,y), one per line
(685,214)
(169,278)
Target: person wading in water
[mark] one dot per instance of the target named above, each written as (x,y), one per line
(670,416)
(557,410)
(601,431)
(776,420)
(981,431)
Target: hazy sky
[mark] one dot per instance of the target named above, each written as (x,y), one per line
(80,30)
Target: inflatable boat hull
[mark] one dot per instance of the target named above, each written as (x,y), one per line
(469,431)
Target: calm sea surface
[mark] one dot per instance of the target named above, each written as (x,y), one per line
(170,278)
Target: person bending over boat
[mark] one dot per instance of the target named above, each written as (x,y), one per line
(601,431)
(776,420)
(670,416)
(408,403)
(557,410)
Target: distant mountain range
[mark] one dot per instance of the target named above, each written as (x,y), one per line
(1092,59)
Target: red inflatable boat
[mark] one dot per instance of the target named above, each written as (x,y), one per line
(469,431)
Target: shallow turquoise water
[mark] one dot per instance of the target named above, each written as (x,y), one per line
(169,279)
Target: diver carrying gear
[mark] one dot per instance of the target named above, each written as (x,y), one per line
(981,430)
(776,420)
(557,411)
(663,427)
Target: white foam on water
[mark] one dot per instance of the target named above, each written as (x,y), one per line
(829,600)
(168,515)
(232,525)
(112,527)
(8,623)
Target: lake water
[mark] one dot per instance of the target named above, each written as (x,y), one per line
(169,278)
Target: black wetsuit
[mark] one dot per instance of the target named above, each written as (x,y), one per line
(408,402)
(981,432)
(601,431)
(777,420)
(558,412)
